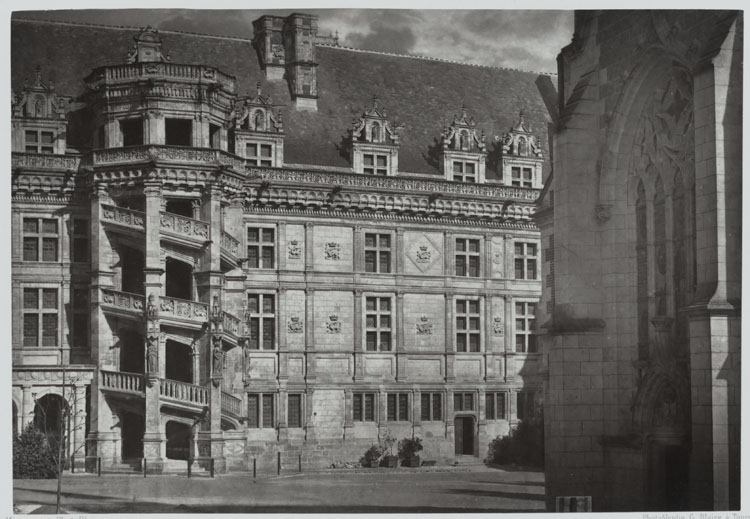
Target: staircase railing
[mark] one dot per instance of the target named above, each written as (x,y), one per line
(124,300)
(121,215)
(230,244)
(232,324)
(184,392)
(122,381)
(230,404)
(184,226)
(183,308)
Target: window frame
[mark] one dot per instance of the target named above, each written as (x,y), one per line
(362,415)
(378,250)
(496,397)
(467,255)
(463,175)
(259,420)
(518,176)
(525,259)
(289,398)
(38,145)
(462,397)
(401,410)
(257,158)
(40,311)
(467,331)
(432,396)
(527,331)
(40,237)
(262,317)
(261,245)
(378,329)
(374,168)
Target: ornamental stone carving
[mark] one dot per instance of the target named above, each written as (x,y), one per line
(333,325)
(424,326)
(333,251)
(423,253)
(294,250)
(498,329)
(295,325)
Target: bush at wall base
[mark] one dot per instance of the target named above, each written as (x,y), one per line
(524,445)
(32,456)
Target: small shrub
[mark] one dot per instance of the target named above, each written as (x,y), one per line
(387,441)
(373,454)
(409,447)
(524,445)
(32,456)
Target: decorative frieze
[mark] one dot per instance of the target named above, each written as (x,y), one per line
(124,216)
(182,308)
(184,226)
(166,153)
(333,251)
(124,300)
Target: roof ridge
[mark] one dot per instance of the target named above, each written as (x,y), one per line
(128,28)
(431,58)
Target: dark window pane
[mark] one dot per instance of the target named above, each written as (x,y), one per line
(474,342)
(268,235)
(403,407)
(357,408)
(385,321)
(49,298)
(461,342)
(531,249)
(474,323)
(31,298)
(437,407)
(520,308)
(30,330)
(458,402)
(368,160)
(473,307)
(425,406)
(460,323)
(31,136)
(519,249)
(371,304)
(519,269)
(532,344)
(468,401)
(252,411)
(49,226)
(531,269)
(30,225)
(520,344)
(458,167)
(370,240)
(382,161)
(254,342)
(268,304)
(385,304)
(268,333)
(30,249)
(489,406)
(391,411)
(49,330)
(267,410)
(370,261)
(385,262)
(385,241)
(372,341)
(253,303)
(473,245)
(460,265)
(253,235)
(370,407)
(460,245)
(520,325)
(267,257)
(49,249)
(252,256)
(371,321)
(501,406)
(385,341)
(295,410)
(474,267)
(470,168)
(265,150)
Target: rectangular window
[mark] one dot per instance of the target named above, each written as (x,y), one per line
(521,177)
(377,252)
(258,154)
(253,411)
(525,338)
(464,172)
(178,132)
(525,408)
(261,316)
(378,325)
(294,410)
(364,407)
(261,247)
(132,132)
(397,408)
(463,401)
(525,260)
(468,329)
(432,407)
(268,411)
(80,320)
(80,239)
(467,258)
(39,141)
(40,317)
(375,164)
(40,239)
(495,406)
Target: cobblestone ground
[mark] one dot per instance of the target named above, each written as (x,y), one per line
(378,491)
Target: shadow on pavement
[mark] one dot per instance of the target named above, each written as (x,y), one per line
(495,493)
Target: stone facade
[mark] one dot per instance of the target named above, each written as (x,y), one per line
(227,302)
(641,226)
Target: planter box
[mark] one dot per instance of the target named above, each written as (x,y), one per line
(390,461)
(374,464)
(414,461)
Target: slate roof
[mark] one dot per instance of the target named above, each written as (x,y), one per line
(422,94)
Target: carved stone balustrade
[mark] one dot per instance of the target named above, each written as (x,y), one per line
(230,245)
(135,220)
(125,303)
(134,72)
(44,161)
(180,154)
(121,381)
(183,309)
(184,392)
(230,404)
(232,325)
(186,231)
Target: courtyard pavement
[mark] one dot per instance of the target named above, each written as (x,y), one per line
(479,489)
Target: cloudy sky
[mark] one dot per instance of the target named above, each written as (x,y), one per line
(527,40)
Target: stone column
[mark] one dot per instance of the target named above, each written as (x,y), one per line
(449,411)
(348,413)
(450,346)
(359,249)
(510,350)
(416,411)
(281,242)
(79,426)
(281,333)
(201,131)
(359,359)
(398,250)
(487,263)
(449,259)
(309,419)
(282,424)
(489,350)
(512,408)
(27,406)
(309,259)
(401,375)
(310,334)
(154,131)
(481,422)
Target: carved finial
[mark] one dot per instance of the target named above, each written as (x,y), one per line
(463,110)
(520,117)
(257,87)
(38,74)
(375,101)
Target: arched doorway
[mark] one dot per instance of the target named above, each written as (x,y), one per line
(179,362)
(179,279)
(465,437)
(178,440)
(133,427)
(49,414)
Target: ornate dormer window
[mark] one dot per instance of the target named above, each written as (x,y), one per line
(39,118)
(522,156)
(374,142)
(147,48)
(259,131)
(463,151)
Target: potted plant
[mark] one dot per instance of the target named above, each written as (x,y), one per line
(372,456)
(387,441)
(407,451)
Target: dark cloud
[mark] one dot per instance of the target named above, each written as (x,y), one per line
(389,31)
(526,24)
(229,23)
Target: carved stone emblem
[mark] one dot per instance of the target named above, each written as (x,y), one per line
(333,251)
(333,325)
(295,325)
(497,326)
(423,253)
(424,326)
(294,249)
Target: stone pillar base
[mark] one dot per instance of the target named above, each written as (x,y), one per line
(154,465)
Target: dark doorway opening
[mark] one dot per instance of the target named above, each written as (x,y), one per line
(132,264)
(179,279)
(464,433)
(49,414)
(179,365)
(132,427)
(131,351)
(669,473)
(178,132)
(180,206)
(178,441)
